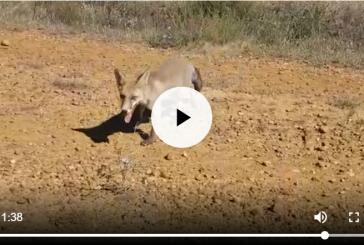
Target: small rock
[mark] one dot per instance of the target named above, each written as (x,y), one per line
(332,180)
(351,174)
(320,148)
(157,173)
(235,199)
(150,180)
(12,161)
(21,201)
(323,130)
(218,201)
(266,163)
(342,192)
(314,178)
(149,172)
(184,154)
(257,211)
(331,207)
(5,43)
(319,164)
(168,157)
(277,207)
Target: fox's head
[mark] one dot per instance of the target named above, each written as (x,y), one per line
(131,94)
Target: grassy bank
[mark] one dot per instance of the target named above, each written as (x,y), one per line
(321,32)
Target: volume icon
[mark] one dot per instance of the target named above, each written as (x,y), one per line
(320,217)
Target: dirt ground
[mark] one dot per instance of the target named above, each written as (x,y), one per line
(287,141)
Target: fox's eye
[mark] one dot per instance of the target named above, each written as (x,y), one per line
(134,98)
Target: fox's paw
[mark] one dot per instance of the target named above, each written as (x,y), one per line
(147,141)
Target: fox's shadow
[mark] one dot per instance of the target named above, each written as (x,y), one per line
(115,124)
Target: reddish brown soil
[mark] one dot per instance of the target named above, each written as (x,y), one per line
(286,142)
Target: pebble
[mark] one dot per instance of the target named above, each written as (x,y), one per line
(157,173)
(168,157)
(277,207)
(323,130)
(315,178)
(218,201)
(320,148)
(5,43)
(257,211)
(266,163)
(235,199)
(21,201)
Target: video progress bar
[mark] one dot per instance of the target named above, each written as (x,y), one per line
(323,235)
(346,235)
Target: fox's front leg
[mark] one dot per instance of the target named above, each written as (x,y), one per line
(150,138)
(141,114)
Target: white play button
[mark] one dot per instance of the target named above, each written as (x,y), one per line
(181,117)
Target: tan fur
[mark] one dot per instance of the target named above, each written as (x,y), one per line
(145,90)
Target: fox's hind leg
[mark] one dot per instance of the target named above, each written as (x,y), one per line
(197,80)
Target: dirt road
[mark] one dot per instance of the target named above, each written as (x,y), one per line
(287,141)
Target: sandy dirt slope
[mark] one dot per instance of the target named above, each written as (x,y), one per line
(286,142)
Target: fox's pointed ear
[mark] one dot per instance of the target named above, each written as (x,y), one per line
(145,76)
(120,79)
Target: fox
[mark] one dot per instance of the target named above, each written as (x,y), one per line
(150,84)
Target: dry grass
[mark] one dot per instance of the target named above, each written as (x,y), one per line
(70,84)
(346,103)
(321,32)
